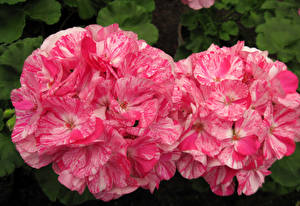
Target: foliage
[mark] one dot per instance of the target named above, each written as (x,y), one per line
(56,191)
(9,157)
(287,171)
(11,63)
(270,25)
(48,11)
(132,16)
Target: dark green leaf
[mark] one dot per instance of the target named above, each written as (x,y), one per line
(1,120)
(124,13)
(287,170)
(71,3)
(48,182)
(181,53)
(273,187)
(190,20)
(44,10)
(9,80)
(129,16)
(17,52)
(224,36)
(86,9)
(146,31)
(198,42)
(276,34)
(245,6)
(11,25)
(11,2)
(252,20)
(9,157)
(8,113)
(56,191)
(230,27)
(11,122)
(149,5)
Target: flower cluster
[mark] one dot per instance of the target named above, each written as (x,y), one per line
(240,113)
(198,4)
(96,103)
(113,114)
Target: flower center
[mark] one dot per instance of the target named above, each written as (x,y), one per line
(130,136)
(217,79)
(272,129)
(198,127)
(70,124)
(235,137)
(228,100)
(124,105)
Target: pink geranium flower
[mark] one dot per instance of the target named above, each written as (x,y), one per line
(199,4)
(281,127)
(113,114)
(244,141)
(96,102)
(239,111)
(229,99)
(252,176)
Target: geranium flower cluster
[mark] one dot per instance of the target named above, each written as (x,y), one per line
(95,102)
(198,4)
(240,113)
(113,114)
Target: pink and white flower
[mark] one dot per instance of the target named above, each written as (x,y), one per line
(198,4)
(113,114)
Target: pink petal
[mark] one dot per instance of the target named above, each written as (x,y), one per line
(190,168)
(231,158)
(288,81)
(247,145)
(143,155)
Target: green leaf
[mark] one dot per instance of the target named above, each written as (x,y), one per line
(48,182)
(276,34)
(181,53)
(11,2)
(1,120)
(8,113)
(124,13)
(245,6)
(287,170)
(130,16)
(86,9)
(9,80)
(269,4)
(230,27)
(71,3)
(149,5)
(252,20)
(9,157)
(44,10)
(273,187)
(224,36)
(11,123)
(225,4)
(56,191)
(146,31)
(198,42)
(11,25)
(190,19)
(17,52)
